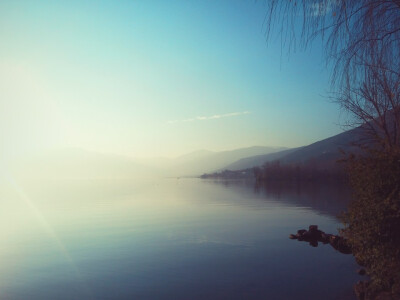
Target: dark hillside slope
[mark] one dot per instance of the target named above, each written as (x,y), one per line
(258,160)
(324,153)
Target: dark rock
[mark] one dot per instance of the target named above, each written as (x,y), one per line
(303,235)
(301,231)
(324,238)
(306,235)
(333,240)
(314,235)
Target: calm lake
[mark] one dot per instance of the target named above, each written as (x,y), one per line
(169,239)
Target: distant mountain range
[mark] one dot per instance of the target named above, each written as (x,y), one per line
(75,163)
(257,160)
(199,162)
(78,163)
(324,153)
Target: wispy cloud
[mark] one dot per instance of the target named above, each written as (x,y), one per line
(204,118)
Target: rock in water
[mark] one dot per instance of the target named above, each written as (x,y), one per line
(301,231)
(313,228)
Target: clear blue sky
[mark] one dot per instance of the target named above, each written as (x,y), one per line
(155,78)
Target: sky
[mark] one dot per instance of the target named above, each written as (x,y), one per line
(155,78)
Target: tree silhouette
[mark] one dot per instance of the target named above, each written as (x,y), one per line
(362,46)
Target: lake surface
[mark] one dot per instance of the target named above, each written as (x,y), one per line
(169,239)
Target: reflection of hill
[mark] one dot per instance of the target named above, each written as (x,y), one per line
(325,198)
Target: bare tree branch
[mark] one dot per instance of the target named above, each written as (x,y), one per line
(362,41)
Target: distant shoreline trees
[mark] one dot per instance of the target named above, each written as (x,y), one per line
(306,172)
(275,171)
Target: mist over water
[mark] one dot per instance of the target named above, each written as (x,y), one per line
(167,239)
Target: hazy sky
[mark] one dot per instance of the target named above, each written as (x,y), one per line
(154,78)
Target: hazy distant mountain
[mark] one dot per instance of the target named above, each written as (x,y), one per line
(199,154)
(203,161)
(327,151)
(258,160)
(73,163)
(323,153)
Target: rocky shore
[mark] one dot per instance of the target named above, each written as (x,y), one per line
(313,236)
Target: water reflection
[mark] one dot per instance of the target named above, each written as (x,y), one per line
(329,199)
(169,239)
